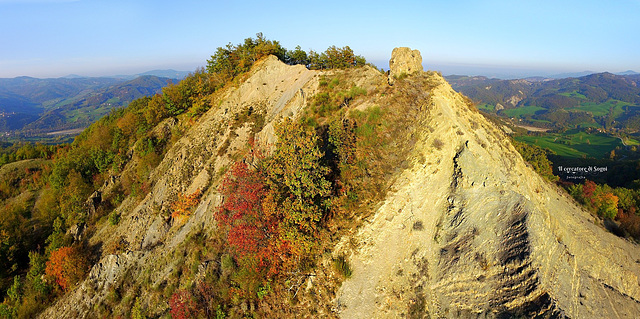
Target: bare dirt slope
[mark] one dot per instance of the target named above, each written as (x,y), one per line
(472,231)
(146,238)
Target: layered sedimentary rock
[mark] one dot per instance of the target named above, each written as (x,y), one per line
(404,61)
(471,231)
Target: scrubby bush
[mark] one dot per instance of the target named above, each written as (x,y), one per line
(66,266)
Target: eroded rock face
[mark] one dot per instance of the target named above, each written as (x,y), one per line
(471,231)
(404,60)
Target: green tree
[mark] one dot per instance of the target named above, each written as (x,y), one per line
(297,181)
(606,204)
(15,291)
(57,237)
(37,266)
(537,157)
(298,56)
(231,60)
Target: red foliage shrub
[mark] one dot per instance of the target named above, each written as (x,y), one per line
(67,266)
(183,305)
(588,189)
(253,234)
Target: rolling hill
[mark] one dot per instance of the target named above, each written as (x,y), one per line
(31,106)
(602,100)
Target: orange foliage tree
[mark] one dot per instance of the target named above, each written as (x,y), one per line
(66,266)
(252,234)
(606,204)
(182,206)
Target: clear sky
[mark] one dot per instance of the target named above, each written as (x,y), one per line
(52,38)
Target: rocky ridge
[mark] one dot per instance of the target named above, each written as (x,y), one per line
(404,61)
(469,229)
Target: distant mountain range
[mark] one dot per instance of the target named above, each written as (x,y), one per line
(602,100)
(43,105)
(168,73)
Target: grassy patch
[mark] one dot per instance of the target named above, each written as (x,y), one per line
(575,143)
(601,109)
(486,107)
(631,142)
(574,94)
(341,266)
(522,111)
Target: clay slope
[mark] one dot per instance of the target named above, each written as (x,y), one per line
(472,231)
(469,230)
(150,246)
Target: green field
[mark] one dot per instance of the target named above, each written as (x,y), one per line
(523,110)
(631,142)
(486,107)
(573,94)
(600,109)
(575,143)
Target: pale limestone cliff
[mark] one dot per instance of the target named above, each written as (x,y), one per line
(471,231)
(404,61)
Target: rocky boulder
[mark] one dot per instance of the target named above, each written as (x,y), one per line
(404,60)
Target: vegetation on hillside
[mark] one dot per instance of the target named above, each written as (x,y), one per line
(32,107)
(537,157)
(44,200)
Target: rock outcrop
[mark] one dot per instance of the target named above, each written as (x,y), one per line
(404,61)
(472,232)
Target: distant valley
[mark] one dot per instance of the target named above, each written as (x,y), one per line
(602,100)
(31,107)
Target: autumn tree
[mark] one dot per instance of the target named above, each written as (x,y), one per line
(588,189)
(66,266)
(183,305)
(252,234)
(606,204)
(183,205)
(298,187)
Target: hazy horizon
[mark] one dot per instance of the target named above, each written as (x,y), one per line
(55,38)
(490,71)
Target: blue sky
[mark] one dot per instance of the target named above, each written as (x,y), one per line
(52,38)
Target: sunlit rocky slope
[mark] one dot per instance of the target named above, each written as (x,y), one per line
(472,231)
(467,230)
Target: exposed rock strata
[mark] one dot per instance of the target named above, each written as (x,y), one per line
(495,240)
(404,61)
